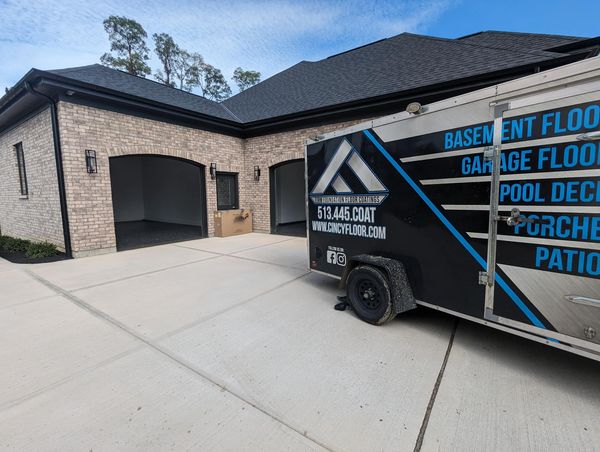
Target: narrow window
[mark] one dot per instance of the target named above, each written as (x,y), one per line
(22,172)
(227,191)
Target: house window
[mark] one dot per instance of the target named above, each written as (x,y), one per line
(22,172)
(227,191)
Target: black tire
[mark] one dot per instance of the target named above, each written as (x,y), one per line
(369,294)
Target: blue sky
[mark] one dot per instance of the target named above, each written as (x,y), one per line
(264,35)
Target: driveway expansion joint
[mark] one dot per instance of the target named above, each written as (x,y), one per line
(436,387)
(171,356)
(214,315)
(249,259)
(149,272)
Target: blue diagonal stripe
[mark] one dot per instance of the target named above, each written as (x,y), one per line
(457,235)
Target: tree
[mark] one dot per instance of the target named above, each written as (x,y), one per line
(213,84)
(127,44)
(192,71)
(245,79)
(186,69)
(167,52)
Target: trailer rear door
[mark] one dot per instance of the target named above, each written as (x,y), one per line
(544,230)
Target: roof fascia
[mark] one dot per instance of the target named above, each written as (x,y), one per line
(81,91)
(576,45)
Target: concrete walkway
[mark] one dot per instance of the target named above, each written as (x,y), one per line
(230,344)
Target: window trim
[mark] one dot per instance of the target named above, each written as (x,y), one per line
(21,168)
(236,204)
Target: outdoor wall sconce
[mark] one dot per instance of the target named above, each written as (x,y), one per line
(91,163)
(213,171)
(256,173)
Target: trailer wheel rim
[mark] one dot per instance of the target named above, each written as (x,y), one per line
(369,294)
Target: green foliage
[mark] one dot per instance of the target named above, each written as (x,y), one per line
(180,68)
(11,245)
(192,72)
(213,84)
(245,79)
(40,250)
(186,69)
(33,250)
(127,44)
(168,54)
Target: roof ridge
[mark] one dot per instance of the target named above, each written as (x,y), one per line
(359,47)
(524,33)
(457,41)
(432,38)
(69,68)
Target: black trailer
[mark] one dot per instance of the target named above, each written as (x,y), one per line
(485,206)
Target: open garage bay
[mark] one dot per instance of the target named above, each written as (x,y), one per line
(157,200)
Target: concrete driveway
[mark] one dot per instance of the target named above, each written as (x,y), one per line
(230,344)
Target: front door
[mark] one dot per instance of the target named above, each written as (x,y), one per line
(543,272)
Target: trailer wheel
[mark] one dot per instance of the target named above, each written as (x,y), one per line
(369,294)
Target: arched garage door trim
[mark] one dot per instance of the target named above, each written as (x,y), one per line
(201,172)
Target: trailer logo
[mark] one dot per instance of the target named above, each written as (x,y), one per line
(376,192)
(336,256)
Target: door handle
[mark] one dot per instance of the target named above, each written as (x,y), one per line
(589,301)
(589,136)
(516,218)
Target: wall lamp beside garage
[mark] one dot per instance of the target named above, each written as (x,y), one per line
(256,173)
(91,163)
(213,171)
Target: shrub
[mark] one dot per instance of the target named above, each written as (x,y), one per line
(40,250)
(12,245)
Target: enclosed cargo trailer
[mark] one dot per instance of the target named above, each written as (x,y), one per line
(485,206)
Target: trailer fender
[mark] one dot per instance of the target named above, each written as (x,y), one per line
(402,294)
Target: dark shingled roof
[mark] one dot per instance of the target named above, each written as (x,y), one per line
(392,65)
(115,80)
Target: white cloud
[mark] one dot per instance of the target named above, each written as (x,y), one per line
(264,35)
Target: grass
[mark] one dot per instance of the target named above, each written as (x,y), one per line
(32,250)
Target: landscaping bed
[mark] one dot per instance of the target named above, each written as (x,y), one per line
(21,251)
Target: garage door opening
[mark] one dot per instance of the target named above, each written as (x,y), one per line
(157,200)
(288,207)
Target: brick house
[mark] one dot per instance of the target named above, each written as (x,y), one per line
(90,155)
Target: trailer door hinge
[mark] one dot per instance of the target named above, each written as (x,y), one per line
(484,278)
(488,153)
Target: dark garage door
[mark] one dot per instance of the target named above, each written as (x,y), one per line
(288,206)
(157,200)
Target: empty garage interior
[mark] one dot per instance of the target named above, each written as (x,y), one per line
(157,200)
(288,205)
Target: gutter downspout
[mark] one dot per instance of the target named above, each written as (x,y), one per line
(59,168)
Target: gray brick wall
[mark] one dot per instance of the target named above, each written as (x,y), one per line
(110,134)
(36,217)
(267,151)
